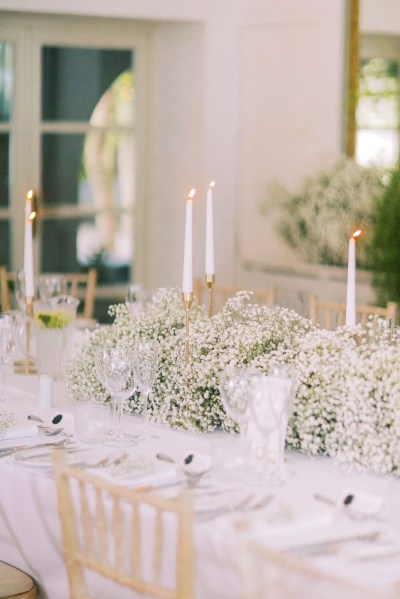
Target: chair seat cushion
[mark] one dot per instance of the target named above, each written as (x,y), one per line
(15,583)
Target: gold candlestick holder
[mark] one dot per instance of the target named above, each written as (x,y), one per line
(187,298)
(210,280)
(27,366)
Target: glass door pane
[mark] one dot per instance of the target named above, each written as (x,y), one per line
(6,92)
(87,161)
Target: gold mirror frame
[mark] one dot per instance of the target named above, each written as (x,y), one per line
(353,54)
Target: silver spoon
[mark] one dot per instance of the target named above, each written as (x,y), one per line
(47,429)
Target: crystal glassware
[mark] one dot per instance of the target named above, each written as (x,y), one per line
(7,347)
(271,406)
(92,421)
(147,358)
(135,298)
(117,365)
(235,392)
(50,285)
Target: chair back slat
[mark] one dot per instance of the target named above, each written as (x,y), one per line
(265,572)
(221,294)
(331,315)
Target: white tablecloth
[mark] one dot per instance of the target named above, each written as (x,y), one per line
(30,533)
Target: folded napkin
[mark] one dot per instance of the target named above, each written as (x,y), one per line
(20,431)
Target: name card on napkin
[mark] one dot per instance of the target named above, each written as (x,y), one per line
(20,431)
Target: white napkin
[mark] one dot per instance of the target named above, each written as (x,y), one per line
(20,431)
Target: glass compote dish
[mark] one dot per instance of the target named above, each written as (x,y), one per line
(8,329)
(147,359)
(116,365)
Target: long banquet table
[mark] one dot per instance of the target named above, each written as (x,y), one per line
(30,534)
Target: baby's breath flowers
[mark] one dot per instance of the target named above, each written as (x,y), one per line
(347,402)
(7,419)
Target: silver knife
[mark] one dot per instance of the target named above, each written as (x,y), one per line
(323,547)
(24,447)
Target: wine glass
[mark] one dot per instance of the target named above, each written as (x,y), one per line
(147,359)
(19,290)
(271,407)
(135,298)
(117,370)
(50,285)
(235,392)
(7,347)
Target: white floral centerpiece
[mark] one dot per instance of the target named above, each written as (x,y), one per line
(318,219)
(348,387)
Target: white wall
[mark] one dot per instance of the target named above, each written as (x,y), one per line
(239,91)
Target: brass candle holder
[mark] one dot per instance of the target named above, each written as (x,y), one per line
(210,280)
(27,366)
(187,298)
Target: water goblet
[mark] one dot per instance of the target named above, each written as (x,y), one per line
(235,392)
(271,407)
(7,346)
(51,285)
(147,359)
(135,298)
(19,290)
(118,372)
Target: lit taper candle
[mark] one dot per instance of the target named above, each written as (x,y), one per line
(28,246)
(187,281)
(351,281)
(210,267)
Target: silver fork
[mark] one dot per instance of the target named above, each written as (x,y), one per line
(104,462)
(221,511)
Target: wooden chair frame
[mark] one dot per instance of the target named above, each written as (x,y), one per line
(221,294)
(80,285)
(330,315)
(87,534)
(266,572)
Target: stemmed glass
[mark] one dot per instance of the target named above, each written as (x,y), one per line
(115,365)
(7,346)
(135,298)
(147,359)
(51,285)
(271,407)
(234,389)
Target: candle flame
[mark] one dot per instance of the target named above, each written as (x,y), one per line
(29,195)
(356,233)
(191,194)
(32,215)
(212,184)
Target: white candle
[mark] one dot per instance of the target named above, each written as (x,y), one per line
(351,281)
(210,268)
(28,247)
(187,281)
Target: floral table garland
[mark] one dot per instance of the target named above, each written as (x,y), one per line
(348,390)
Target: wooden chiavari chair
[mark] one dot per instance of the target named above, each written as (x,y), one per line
(104,527)
(80,285)
(221,294)
(330,315)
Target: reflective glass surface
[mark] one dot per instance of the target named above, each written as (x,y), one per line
(74,80)
(105,242)
(92,170)
(5,243)
(6,80)
(4,170)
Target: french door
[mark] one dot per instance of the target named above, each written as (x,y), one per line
(71,117)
